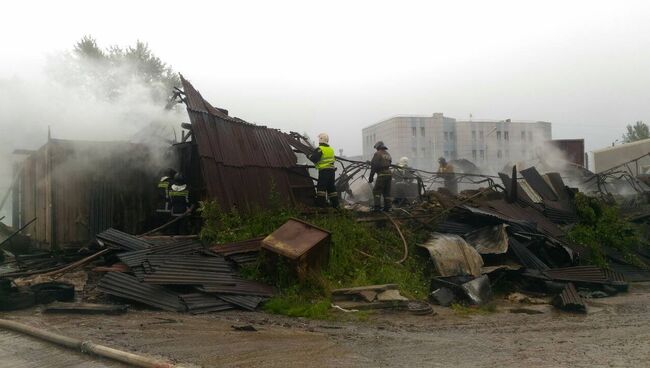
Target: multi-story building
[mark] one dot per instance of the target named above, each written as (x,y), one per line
(490,144)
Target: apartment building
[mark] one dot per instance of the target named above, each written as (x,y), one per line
(490,144)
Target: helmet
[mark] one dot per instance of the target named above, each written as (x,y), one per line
(380,145)
(323,138)
(179,178)
(404,161)
(442,160)
(170,172)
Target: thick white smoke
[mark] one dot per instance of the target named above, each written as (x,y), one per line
(81,100)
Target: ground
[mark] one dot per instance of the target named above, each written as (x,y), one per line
(615,333)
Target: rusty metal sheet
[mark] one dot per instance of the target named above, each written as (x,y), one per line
(241,162)
(294,238)
(570,300)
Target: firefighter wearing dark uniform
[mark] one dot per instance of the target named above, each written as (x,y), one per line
(164,185)
(324,159)
(179,196)
(380,165)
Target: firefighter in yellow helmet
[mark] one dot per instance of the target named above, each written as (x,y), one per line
(324,159)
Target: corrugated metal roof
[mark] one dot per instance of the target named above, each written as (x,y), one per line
(570,300)
(241,161)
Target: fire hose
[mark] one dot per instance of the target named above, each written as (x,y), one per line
(86,347)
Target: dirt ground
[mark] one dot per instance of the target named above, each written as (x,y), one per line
(615,333)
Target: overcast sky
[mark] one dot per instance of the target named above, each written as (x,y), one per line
(339,66)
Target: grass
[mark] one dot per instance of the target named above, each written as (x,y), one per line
(360,254)
(601,225)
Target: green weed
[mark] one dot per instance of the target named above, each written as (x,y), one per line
(360,254)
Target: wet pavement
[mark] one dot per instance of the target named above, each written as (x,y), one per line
(615,333)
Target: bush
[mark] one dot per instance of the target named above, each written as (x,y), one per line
(600,226)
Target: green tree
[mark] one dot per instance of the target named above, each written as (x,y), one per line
(107,73)
(636,132)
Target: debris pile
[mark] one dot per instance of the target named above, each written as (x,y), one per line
(518,236)
(179,275)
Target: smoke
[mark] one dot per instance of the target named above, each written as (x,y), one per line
(81,99)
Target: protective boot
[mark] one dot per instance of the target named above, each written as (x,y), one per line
(388,204)
(321,199)
(377,207)
(334,201)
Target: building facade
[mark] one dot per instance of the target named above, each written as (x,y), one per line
(489,144)
(611,157)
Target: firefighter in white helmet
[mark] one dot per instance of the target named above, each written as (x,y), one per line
(324,159)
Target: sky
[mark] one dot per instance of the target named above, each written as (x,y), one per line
(338,66)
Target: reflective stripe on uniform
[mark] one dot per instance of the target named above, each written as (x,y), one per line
(327,158)
(330,195)
(321,193)
(180,193)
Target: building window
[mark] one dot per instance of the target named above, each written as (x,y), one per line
(414,131)
(480,135)
(474,155)
(422,131)
(499,155)
(473,135)
(446,137)
(498,135)
(482,153)
(451,136)
(506,136)
(530,136)
(523,136)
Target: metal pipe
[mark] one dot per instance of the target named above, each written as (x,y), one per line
(86,347)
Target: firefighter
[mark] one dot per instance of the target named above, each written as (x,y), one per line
(380,165)
(163,191)
(446,170)
(324,159)
(179,196)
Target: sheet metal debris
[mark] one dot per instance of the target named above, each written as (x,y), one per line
(121,240)
(197,303)
(128,287)
(489,239)
(570,300)
(478,290)
(452,256)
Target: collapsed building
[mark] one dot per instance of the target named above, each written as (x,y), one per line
(236,163)
(71,190)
